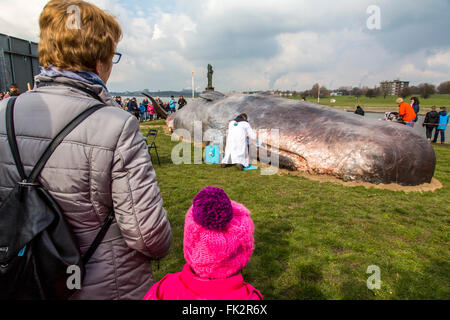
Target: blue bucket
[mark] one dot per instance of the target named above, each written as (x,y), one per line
(212,154)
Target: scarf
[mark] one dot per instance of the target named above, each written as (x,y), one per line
(87,77)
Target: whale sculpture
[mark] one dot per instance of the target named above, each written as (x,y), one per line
(318,139)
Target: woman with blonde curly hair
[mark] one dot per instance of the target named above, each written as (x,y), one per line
(103,164)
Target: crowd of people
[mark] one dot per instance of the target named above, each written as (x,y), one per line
(145,111)
(408,114)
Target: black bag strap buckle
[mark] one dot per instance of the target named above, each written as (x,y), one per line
(25,183)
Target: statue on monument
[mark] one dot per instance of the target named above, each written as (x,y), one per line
(210,74)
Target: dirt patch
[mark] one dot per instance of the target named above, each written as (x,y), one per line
(426,187)
(149,126)
(165,128)
(296,205)
(446,144)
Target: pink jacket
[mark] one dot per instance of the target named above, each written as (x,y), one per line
(185,285)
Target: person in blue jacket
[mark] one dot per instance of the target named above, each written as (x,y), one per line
(142,112)
(443,122)
(172,104)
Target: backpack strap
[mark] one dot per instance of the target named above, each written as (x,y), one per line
(99,237)
(11,133)
(46,155)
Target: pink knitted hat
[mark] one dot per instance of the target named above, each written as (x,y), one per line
(218,235)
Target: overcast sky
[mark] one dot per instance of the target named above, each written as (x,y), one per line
(262,44)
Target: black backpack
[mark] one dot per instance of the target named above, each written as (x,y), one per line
(37,246)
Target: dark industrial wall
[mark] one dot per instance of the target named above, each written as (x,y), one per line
(19,62)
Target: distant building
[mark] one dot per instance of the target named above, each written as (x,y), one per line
(393,88)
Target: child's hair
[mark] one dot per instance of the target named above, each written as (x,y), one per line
(218,235)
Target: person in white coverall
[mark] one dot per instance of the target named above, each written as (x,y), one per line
(236,149)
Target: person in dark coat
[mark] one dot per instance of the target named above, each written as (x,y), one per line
(118,99)
(431,122)
(415,104)
(359,111)
(133,108)
(181,102)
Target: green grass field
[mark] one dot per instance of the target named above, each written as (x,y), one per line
(315,240)
(439,100)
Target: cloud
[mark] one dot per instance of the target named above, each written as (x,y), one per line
(440,60)
(409,70)
(27,26)
(262,44)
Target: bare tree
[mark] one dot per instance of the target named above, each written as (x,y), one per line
(414,90)
(377,91)
(324,92)
(370,93)
(384,91)
(305,93)
(426,90)
(344,91)
(406,91)
(444,87)
(357,92)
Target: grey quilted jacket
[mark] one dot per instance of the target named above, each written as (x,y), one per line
(104,163)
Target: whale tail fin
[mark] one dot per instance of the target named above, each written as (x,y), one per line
(159,109)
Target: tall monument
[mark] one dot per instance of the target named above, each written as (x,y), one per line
(210,74)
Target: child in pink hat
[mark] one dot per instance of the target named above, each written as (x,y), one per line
(218,243)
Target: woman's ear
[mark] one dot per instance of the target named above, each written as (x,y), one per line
(98,67)
(103,70)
